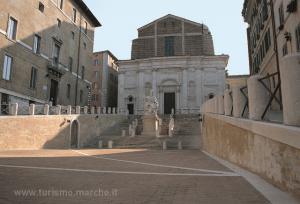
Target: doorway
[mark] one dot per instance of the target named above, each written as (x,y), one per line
(53,92)
(130,108)
(74,134)
(169,103)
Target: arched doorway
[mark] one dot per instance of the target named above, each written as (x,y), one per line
(74,134)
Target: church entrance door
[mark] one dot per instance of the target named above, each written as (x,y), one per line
(169,103)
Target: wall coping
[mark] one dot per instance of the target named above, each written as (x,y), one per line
(289,135)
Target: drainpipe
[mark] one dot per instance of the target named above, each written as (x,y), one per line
(78,61)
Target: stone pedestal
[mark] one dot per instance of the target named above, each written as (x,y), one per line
(290,85)
(149,125)
(258,97)
(239,101)
(227,102)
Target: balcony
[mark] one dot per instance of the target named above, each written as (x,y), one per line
(55,68)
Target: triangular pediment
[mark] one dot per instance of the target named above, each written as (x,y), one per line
(175,18)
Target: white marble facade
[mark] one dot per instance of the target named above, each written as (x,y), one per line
(191,80)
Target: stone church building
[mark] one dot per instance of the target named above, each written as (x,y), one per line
(173,58)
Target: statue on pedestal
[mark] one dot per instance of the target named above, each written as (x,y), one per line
(150,113)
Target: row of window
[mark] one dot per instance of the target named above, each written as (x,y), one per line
(74,14)
(263,50)
(69,93)
(7,70)
(12,32)
(259,24)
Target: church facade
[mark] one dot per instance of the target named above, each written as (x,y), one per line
(173,59)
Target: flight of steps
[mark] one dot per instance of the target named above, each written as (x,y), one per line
(186,130)
(164,131)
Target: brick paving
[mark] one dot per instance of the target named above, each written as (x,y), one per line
(120,176)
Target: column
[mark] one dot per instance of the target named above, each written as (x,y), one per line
(121,102)
(184,89)
(154,82)
(257,96)
(139,104)
(290,85)
(238,101)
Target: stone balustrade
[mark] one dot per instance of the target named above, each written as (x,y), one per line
(46,109)
(234,103)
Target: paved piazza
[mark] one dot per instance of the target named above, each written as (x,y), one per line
(120,176)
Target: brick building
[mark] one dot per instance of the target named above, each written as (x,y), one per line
(173,58)
(105,80)
(46,51)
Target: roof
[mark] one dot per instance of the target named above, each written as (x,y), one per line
(237,76)
(108,52)
(88,12)
(176,17)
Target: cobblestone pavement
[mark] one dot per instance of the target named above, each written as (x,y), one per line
(120,176)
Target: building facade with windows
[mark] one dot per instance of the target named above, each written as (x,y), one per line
(273,32)
(105,80)
(172,59)
(46,51)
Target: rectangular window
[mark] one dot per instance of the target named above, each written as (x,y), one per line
(169,46)
(97,75)
(6,72)
(36,44)
(281,15)
(61,4)
(298,38)
(41,7)
(96,62)
(82,72)
(81,96)
(56,53)
(284,50)
(73,35)
(85,27)
(68,91)
(33,78)
(12,29)
(70,64)
(74,16)
(58,23)
(267,41)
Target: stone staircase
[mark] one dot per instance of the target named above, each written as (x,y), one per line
(187,130)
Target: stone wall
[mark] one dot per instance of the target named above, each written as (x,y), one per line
(52,132)
(270,150)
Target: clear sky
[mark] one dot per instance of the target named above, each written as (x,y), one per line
(120,20)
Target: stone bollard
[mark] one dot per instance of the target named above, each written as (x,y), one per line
(239,101)
(46,109)
(290,86)
(110,144)
(123,133)
(77,110)
(220,101)
(99,110)
(58,110)
(109,110)
(93,110)
(100,144)
(13,109)
(85,110)
(69,110)
(32,109)
(257,96)
(180,145)
(165,145)
(104,110)
(114,110)
(227,102)
(130,129)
